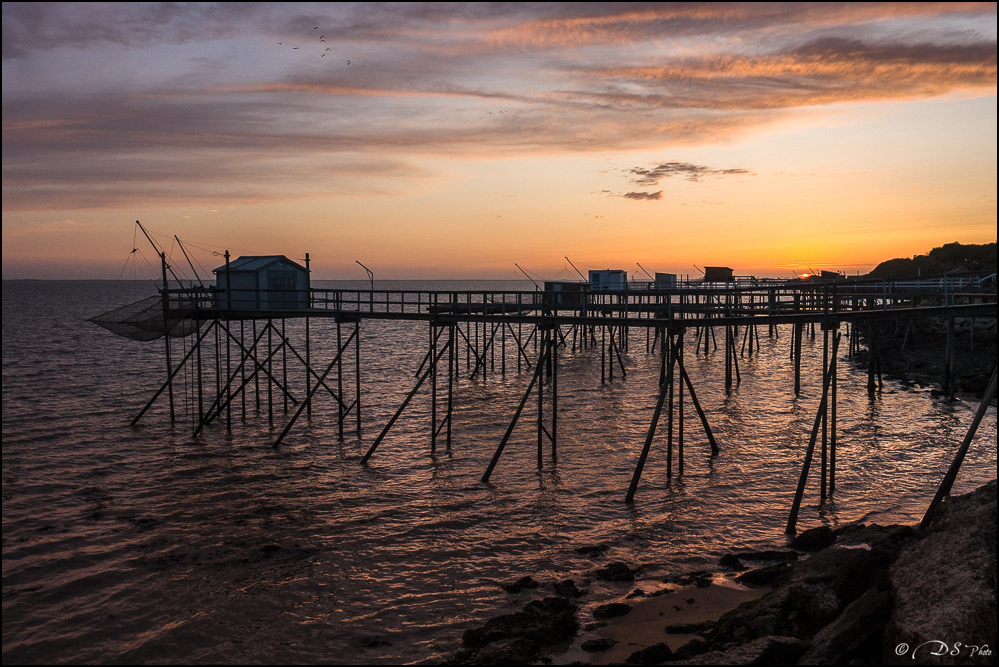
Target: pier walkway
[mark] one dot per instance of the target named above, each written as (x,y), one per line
(253,352)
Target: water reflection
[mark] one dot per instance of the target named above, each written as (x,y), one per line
(141,543)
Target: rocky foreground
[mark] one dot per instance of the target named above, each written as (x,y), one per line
(867,595)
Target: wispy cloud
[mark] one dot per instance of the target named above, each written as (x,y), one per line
(820,72)
(692,172)
(94,111)
(644,196)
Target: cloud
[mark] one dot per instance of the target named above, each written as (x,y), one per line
(693,172)
(644,196)
(624,23)
(95,111)
(822,71)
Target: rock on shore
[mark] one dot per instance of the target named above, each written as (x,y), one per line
(944,585)
(876,595)
(518,638)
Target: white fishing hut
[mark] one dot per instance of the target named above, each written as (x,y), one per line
(262,282)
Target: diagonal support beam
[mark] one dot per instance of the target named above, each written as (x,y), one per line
(313,372)
(792,518)
(538,370)
(262,366)
(471,347)
(215,409)
(665,389)
(315,388)
(248,354)
(955,466)
(485,351)
(405,402)
(520,347)
(172,375)
(697,406)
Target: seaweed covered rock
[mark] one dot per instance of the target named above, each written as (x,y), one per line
(765,576)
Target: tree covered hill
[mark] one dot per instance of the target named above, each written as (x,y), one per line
(950,257)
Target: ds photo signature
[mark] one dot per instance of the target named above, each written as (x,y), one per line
(937,647)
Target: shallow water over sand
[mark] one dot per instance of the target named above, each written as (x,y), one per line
(142,544)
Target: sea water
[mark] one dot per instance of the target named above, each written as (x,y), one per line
(143,544)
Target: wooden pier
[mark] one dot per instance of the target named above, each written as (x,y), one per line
(230,352)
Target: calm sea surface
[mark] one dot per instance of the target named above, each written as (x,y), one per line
(133,545)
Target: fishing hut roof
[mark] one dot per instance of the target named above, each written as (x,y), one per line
(257,262)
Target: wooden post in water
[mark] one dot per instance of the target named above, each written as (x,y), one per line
(796,344)
(341,415)
(825,418)
(166,335)
(664,389)
(871,363)
(503,350)
(450,379)
(538,370)
(735,358)
(678,350)
(728,358)
(201,397)
(242,369)
(432,330)
(832,429)
(542,362)
(270,374)
(284,362)
(357,373)
(554,434)
(669,410)
(308,347)
(948,481)
(792,519)
(949,370)
(697,407)
(603,354)
(256,371)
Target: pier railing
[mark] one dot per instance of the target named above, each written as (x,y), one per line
(687,301)
(470,331)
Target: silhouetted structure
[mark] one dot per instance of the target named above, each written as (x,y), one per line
(482,332)
(718,274)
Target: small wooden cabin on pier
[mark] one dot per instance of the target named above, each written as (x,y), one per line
(609,279)
(718,274)
(262,282)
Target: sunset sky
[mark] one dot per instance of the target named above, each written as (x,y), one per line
(450,141)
